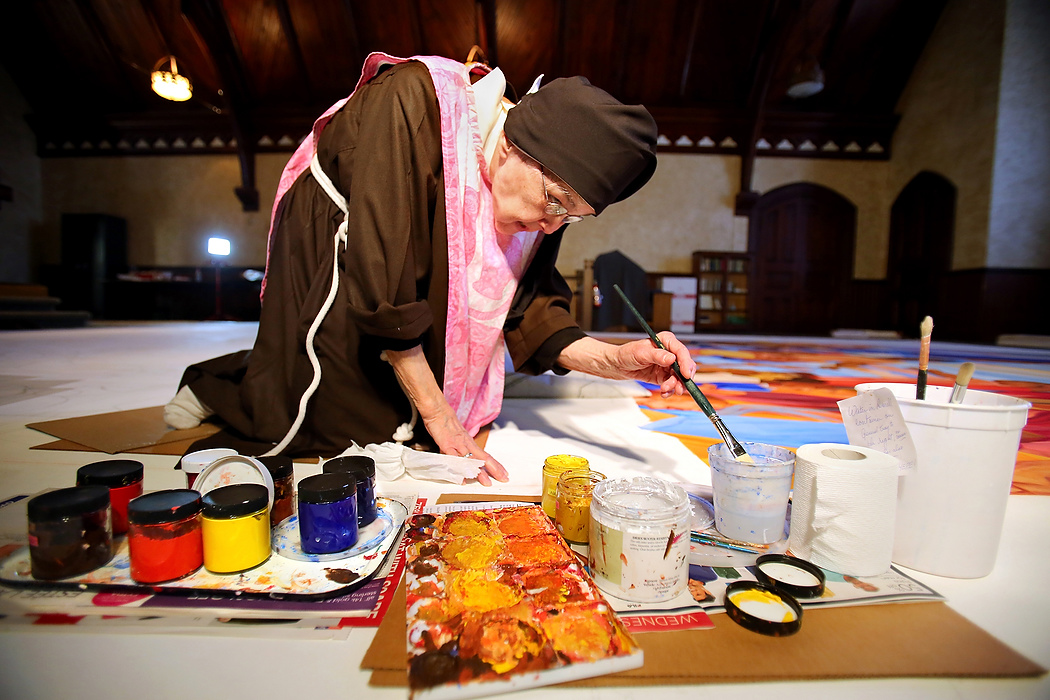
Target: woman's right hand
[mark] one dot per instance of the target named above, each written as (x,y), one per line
(440,420)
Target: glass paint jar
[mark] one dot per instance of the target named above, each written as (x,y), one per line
(235,525)
(363,469)
(283,473)
(164,535)
(572,508)
(553,466)
(70,532)
(639,538)
(124,479)
(328,513)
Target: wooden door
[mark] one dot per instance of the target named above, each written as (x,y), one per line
(802,241)
(922,226)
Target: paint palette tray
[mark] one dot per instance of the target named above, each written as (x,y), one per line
(280,576)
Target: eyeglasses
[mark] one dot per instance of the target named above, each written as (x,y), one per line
(554,207)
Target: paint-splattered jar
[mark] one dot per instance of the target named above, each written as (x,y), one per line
(639,539)
(328,513)
(553,466)
(573,504)
(123,477)
(283,472)
(70,532)
(164,535)
(236,528)
(363,469)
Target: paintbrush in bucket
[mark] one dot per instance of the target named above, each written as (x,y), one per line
(925,330)
(735,447)
(962,380)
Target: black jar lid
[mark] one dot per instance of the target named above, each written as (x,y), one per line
(796,576)
(279,466)
(362,465)
(778,602)
(112,472)
(160,507)
(235,500)
(69,502)
(327,488)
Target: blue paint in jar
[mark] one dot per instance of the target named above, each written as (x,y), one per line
(328,513)
(363,469)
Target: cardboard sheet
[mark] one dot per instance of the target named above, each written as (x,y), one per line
(874,641)
(141,431)
(138,430)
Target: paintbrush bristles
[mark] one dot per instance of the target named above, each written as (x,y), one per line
(965,374)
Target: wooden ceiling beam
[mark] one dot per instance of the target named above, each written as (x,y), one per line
(353,37)
(212,25)
(118,63)
(486,13)
(775,28)
(292,36)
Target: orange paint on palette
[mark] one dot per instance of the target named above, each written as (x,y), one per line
(500,641)
(583,632)
(530,551)
(480,586)
(519,521)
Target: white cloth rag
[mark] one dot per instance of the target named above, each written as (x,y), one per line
(393,460)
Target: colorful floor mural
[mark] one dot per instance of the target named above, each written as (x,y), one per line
(785,391)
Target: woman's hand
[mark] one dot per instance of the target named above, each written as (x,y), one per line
(440,420)
(638,359)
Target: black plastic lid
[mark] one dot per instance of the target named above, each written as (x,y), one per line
(327,488)
(235,500)
(168,506)
(760,624)
(803,587)
(67,503)
(362,465)
(111,472)
(279,466)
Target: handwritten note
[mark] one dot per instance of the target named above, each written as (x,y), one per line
(873,419)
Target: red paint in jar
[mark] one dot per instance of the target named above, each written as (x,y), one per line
(164,535)
(124,479)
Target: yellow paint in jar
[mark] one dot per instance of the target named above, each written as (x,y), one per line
(236,528)
(553,466)
(573,504)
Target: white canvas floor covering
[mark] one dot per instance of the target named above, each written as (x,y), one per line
(47,375)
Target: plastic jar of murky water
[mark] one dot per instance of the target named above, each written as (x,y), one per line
(639,538)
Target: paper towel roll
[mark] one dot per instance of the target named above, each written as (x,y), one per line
(843,508)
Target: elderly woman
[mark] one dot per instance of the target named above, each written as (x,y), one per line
(413,242)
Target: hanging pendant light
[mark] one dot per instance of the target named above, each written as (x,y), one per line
(807,80)
(169,84)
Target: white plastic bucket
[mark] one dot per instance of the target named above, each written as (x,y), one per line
(950,509)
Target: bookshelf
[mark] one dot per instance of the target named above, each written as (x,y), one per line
(723,283)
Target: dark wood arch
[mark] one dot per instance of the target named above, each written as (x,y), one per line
(802,241)
(922,228)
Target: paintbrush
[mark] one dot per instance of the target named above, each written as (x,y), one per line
(962,380)
(925,330)
(738,451)
(699,538)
